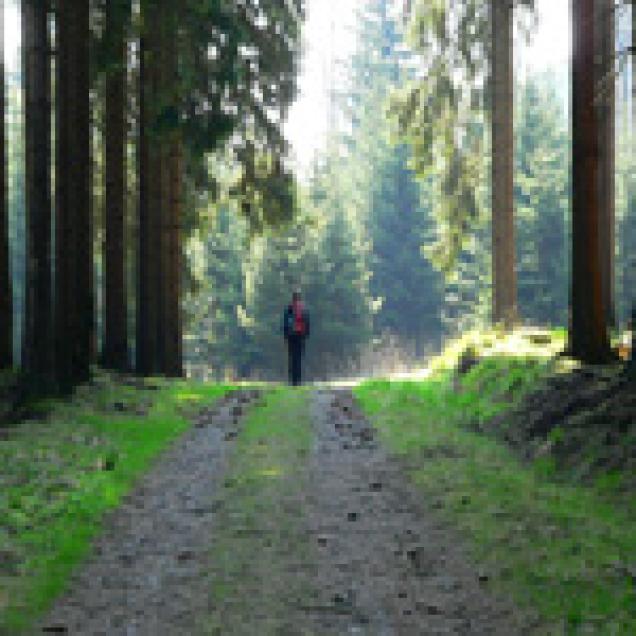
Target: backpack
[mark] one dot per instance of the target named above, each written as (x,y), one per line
(296,325)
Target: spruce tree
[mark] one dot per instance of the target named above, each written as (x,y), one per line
(406,283)
(393,210)
(216,336)
(542,200)
(442,112)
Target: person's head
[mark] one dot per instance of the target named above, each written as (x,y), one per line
(296,296)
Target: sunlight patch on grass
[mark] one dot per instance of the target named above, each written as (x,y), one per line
(188,397)
(271,472)
(522,342)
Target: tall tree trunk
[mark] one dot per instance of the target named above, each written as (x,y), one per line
(607,112)
(74,253)
(81,155)
(161,187)
(629,280)
(173,322)
(65,229)
(158,315)
(6,291)
(148,271)
(143,340)
(171,270)
(163,209)
(504,295)
(588,330)
(115,332)
(38,328)
(629,288)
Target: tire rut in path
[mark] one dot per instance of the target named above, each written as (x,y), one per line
(385,566)
(147,574)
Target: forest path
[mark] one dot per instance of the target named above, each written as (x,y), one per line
(385,566)
(147,571)
(306,526)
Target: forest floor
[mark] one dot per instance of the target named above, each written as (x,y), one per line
(293,521)
(494,500)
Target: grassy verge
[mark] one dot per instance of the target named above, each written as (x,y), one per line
(561,548)
(60,474)
(259,542)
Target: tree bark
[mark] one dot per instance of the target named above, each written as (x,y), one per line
(143,341)
(65,229)
(174,325)
(74,244)
(38,328)
(115,324)
(158,316)
(148,271)
(629,285)
(161,186)
(171,270)
(504,295)
(81,181)
(607,112)
(6,290)
(588,338)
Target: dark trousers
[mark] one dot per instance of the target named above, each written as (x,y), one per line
(295,346)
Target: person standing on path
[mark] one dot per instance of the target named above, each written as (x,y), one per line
(296,332)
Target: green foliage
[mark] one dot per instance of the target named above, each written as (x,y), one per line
(363,187)
(280,263)
(393,209)
(60,475)
(542,192)
(541,215)
(237,74)
(340,285)
(467,290)
(442,113)
(322,255)
(216,338)
(409,287)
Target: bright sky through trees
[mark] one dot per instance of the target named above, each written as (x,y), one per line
(11,35)
(330,36)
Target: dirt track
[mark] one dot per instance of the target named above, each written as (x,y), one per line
(386,567)
(375,558)
(147,573)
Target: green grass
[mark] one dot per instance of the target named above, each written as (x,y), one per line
(559,548)
(523,343)
(259,530)
(59,475)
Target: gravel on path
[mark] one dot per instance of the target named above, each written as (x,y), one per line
(386,567)
(374,561)
(147,574)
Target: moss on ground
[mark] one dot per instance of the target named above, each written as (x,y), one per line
(563,547)
(260,549)
(61,473)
